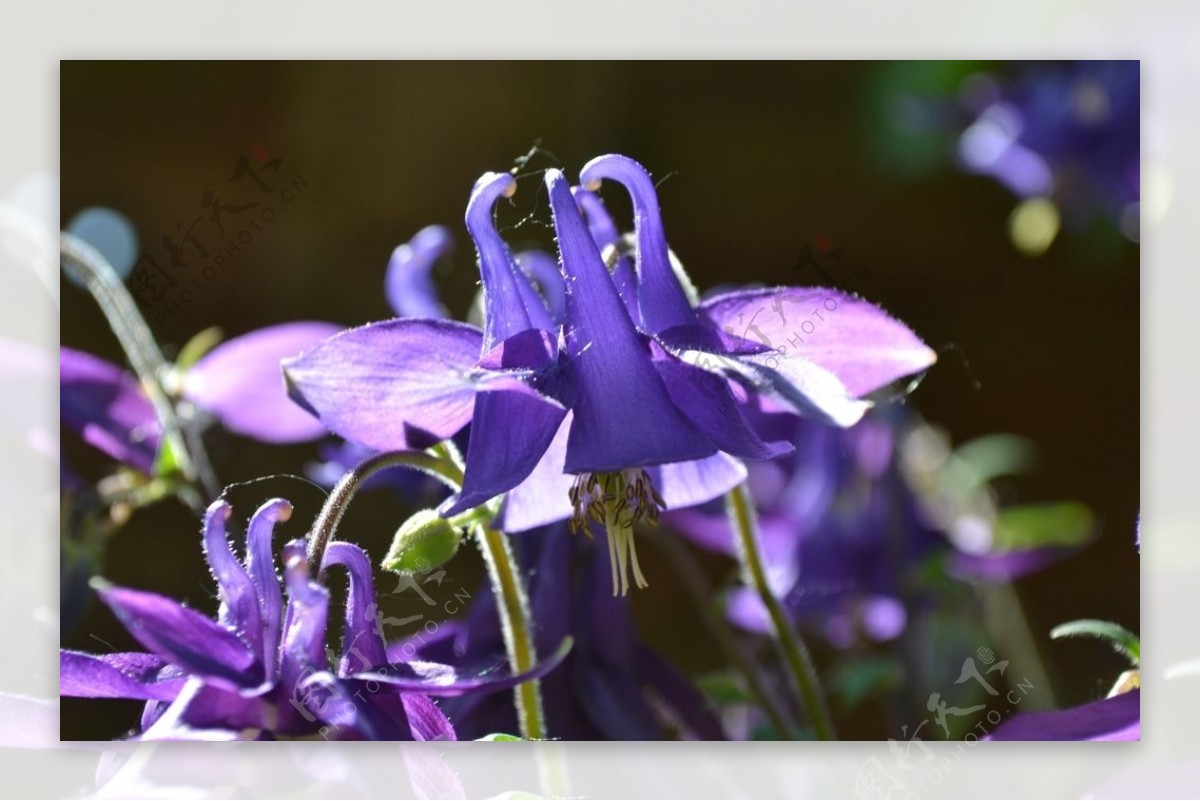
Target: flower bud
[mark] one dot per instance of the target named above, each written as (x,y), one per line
(425,541)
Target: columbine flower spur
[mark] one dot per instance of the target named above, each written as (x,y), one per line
(648,402)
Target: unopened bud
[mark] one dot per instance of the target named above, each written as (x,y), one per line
(425,541)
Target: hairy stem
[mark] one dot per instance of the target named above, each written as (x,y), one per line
(799,662)
(326,523)
(513,606)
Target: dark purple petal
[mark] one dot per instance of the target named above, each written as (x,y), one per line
(609,364)
(240,609)
(170,724)
(184,637)
(122,675)
(106,406)
(661,299)
(436,679)
(416,370)
(357,712)
(1006,566)
(239,382)
(509,435)
(260,564)
(708,402)
(505,288)
(605,234)
(409,281)
(543,269)
(362,644)
(544,496)
(856,341)
(1116,718)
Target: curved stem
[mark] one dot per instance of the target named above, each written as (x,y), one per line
(799,662)
(697,586)
(326,523)
(86,263)
(513,607)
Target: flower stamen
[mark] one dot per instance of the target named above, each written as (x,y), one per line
(618,501)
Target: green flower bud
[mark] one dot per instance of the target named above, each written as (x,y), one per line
(424,542)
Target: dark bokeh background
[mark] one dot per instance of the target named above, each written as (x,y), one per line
(755,159)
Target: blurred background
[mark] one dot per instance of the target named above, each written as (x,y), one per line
(1034,310)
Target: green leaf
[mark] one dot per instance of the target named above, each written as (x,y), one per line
(197,346)
(166,461)
(1124,641)
(1045,524)
(499,737)
(990,457)
(724,688)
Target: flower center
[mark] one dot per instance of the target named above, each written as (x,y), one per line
(618,501)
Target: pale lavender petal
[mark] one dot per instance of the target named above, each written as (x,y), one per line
(416,370)
(119,675)
(544,496)
(683,484)
(240,382)
(856,341)
(106,406)
(409,281)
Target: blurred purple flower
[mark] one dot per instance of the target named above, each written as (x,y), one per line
(261,669)
(238,382)
(1065,130)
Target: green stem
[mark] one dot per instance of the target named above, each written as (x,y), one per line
(145,357)
(514,622)
(326,523)
(745,526)
(697,586)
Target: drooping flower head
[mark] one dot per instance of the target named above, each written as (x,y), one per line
(631,397)
(261,669)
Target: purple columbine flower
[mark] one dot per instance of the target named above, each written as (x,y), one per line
(612,686)
(237,382)
(261,670)
(598,414)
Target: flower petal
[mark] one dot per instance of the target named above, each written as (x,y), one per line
(856,341)
(544,496)
(184,637)
(239,602)
(661,300)
(435,679)
(707,401)
(1116,718)
(610,365)
(408,283)
(121,675)
(362,641)
(605,234)
(239,382)
(542,268)
(354,709)
(106,406)
(508,296)
(416,370)
(260,564)
(426,719)
(683,484)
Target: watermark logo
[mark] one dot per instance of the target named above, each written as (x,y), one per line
(915,767)
(230,218)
